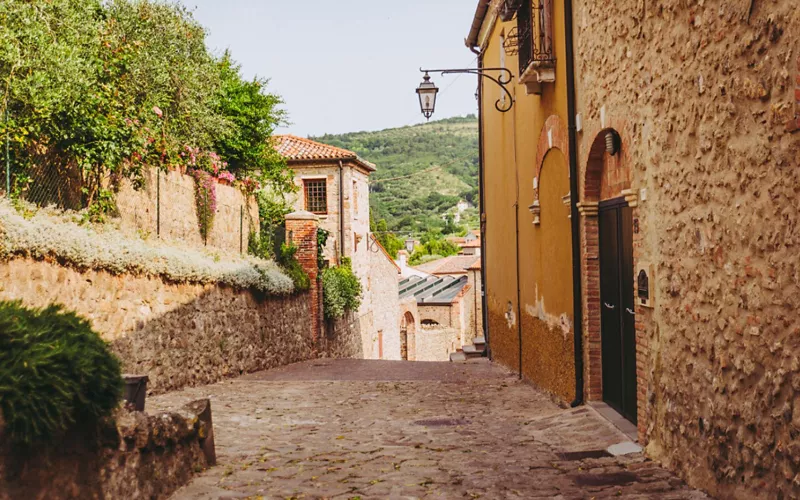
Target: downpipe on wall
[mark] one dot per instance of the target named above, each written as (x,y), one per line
(577,294)
(341,211)
(482,210)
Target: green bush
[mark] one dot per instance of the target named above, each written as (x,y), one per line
(55,371)
(293,268)
(341,290)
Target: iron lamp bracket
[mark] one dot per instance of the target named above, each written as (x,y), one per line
(502,79)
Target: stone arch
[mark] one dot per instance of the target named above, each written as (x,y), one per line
(408,330)
(605,177)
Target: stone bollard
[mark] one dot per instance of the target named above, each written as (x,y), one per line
(301,230)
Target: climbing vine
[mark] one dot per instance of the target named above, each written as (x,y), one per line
(205,195)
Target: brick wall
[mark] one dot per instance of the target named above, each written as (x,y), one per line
(301,230)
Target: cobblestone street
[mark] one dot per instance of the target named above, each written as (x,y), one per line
(385,429)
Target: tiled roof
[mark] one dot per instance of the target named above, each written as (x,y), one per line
(295,148)
(457,264)
(471,244)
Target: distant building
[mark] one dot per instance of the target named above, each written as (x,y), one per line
(407,271)
(333,184)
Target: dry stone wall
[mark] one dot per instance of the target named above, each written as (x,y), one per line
(137,456)
(177,334)
(704,95)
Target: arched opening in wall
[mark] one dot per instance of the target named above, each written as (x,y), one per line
(407,332)
(552,252)
(608,261)
(429,323)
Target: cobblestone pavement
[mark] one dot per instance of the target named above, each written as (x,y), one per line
(354,429)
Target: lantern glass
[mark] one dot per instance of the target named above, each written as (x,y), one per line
(427,96)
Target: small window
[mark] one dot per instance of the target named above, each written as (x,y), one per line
(316,191)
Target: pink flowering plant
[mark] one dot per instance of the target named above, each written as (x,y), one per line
(226,176)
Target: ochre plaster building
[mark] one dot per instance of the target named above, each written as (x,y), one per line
(683,137)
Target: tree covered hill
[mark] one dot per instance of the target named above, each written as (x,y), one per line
(423,171)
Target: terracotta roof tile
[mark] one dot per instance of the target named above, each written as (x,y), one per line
(457,264)
(471,244)
(295,148)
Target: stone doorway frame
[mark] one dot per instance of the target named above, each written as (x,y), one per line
(590,194)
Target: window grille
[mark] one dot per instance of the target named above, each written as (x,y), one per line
(316,191)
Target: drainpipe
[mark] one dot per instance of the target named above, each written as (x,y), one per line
(577,295)
(482,209)
(341,210)
(516,229)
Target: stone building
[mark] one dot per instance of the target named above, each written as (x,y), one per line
(333,184)
(667,186)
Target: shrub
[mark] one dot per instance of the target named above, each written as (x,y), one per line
(341,290)
(292,267)
(53,236)
(55,371)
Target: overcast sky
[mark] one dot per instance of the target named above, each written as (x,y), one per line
(347,65)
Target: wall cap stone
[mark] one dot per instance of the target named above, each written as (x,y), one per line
(302,215)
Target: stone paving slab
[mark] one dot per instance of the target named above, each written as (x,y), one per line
(355,429)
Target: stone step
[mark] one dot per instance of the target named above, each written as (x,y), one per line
(479,341)
(472,351)
(458,356)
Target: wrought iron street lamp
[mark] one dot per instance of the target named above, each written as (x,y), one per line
(427,90)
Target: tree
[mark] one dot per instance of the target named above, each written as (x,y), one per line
(390,242)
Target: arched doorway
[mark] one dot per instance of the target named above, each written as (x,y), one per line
(618,316)
(608,209)
(407,329)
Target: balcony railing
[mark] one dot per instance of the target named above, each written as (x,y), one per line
(534,43)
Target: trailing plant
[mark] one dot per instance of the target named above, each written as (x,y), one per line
(62,237)
(259,247)
(322,240)
(288,261)
(341,290)
(55,372)
(205,196)
(272,210)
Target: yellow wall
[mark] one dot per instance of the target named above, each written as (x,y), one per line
(510,149)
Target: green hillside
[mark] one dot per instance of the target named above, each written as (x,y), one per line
(423,171)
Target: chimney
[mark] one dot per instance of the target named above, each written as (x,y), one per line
(402,256)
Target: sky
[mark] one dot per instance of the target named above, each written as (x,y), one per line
(347,65)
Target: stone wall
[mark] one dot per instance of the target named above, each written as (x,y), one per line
(138,456)
(177,334)
(176,217)
(381,303)
(704,97)
(355,205)
(436,344)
